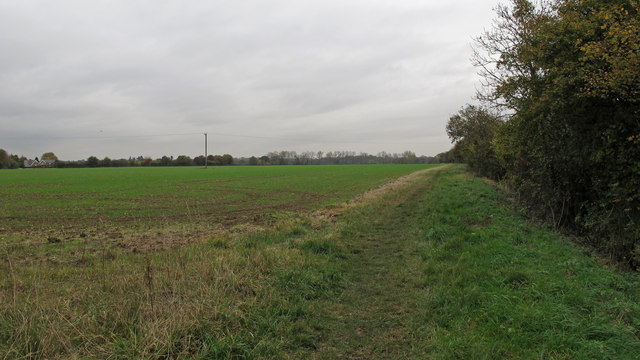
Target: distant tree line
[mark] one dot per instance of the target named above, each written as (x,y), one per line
(560,119)
(10,161)
(272,158)
(181,160)
(337,158)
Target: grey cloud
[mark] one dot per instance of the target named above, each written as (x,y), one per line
(349,74)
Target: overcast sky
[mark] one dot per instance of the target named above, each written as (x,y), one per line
(129,78)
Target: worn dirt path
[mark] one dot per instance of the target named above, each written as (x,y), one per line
(374,317)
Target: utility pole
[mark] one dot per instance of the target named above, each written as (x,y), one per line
(205,151)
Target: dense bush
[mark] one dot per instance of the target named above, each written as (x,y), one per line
(8,161)
(474,129)
(568,76)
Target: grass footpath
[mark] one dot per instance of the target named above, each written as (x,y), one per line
(439,266)
(445,269)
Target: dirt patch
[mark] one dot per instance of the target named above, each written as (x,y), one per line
(394,185)
(478,222)
(331,215)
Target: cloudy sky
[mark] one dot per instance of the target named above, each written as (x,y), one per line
(147,77)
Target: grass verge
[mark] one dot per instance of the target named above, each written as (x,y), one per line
(440,267)
(446,269)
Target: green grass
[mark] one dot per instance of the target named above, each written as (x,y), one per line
(500,286)
(143,196)
(442,268)
(446,269)
(163,262)
(49,213)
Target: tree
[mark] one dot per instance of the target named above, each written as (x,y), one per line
(567,75)
(409,157)
(473,130)
(5,160)
(49,156)
(227,159)
(253,160)
(199,160)
(611,61)
(17,161)
(275,158)
(165,161)
(120,162)
(93,161)
(307,157)
(507,55)
(183,160)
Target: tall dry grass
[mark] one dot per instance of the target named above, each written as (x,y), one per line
(164,304)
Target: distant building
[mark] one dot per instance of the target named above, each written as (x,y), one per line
(38,163)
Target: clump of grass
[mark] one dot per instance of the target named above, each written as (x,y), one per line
(311,282)
(219,242)
(516,279)
(322,246)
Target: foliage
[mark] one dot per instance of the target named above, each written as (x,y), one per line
(9,161)
(48,156)
(612,59)
(199,160)
(92,161)
(274,158)
(106,162)
(337,158)
(227,159)
(473,129)
(567,73)
(183,160)
(216,160)
(5,161)
(165,161)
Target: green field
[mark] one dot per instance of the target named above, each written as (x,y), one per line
(68,204)
(176,194)
(287,262)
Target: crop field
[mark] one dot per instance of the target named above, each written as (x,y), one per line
(79,245)
(174,194)
(56,205)
(309,262)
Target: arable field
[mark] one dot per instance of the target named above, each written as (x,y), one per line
(169,205)
(49,198)
(290,262)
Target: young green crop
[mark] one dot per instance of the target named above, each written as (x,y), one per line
(134,197)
